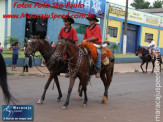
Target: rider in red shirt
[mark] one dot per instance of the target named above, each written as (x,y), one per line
(68,31)
(93,34)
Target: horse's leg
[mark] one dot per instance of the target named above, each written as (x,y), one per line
(146,66)
(58,87)
(71,84)
(103,78)
(80,90)
(45,89)
(153,64)
(84,88)
(142,65)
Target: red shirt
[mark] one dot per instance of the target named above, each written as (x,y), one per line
(71,34)
(95,31)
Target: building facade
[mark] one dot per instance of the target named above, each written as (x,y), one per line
(23,27)
(141,26)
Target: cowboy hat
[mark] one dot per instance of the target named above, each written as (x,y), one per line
(70,19)
(93,17)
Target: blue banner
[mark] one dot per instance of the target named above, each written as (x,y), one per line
(92,6)
(17,112)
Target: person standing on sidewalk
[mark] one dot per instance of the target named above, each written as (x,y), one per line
(15,51)
(26,62)
(93,35)
(43,60)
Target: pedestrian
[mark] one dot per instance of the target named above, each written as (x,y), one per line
(43,60)
(93,35)
(15,51)
(1,48)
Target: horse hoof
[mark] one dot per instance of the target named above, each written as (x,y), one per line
(58,100)
(78,98)
(84,105)
(104,100)
(64,107)
(39,102)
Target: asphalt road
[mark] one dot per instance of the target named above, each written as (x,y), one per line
(131,99)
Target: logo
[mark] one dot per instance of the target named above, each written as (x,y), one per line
(17,112)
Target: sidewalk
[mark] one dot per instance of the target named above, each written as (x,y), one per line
(118,68)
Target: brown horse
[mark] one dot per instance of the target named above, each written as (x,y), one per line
(79,67)
(54,67)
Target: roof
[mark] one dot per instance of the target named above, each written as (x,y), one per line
(154,10)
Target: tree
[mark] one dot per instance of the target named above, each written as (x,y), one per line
(140,4)
(157,4)
(11,40)
(114,47)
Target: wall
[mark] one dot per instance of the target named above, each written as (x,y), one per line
(161,39)
(2,22)
(53,26)
(151,31)
(117,24)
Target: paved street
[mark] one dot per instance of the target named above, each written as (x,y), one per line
(131,99)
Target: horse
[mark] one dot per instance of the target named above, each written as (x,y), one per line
(54,67)
(79,66)
(3,81)
(144,54)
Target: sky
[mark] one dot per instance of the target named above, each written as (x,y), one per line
(123,2)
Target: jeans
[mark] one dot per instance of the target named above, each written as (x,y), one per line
(98,63)
(14,59)
(26,61)
(154,52)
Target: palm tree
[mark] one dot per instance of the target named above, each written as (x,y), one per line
(11,40)
(114,47)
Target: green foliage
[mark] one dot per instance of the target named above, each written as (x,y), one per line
(11,40)
(114,47)
(157,4)
(140,4)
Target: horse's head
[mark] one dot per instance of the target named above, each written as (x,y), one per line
(139,51)
(33,45)
(61,49)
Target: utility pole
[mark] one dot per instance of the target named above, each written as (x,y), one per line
(125,29)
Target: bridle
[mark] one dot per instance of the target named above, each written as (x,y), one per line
(61,54)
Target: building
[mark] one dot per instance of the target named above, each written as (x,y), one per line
(24,27)
(141,26)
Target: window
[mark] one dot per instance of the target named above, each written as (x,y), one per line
(113,31)
(80,29)
(36,27)
(148,35)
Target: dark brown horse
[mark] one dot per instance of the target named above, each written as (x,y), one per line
(54,67)
(146,58)
(3,81)
(79,67)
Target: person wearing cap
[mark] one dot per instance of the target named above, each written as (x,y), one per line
(152,47)
(93,35)
(68,31)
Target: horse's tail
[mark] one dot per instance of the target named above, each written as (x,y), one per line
(159,58)
(3,80)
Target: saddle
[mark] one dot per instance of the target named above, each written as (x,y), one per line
(90,49)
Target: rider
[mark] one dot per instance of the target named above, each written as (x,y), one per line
(152,47)
(68,32)
(93,34)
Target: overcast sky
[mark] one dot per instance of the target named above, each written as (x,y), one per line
(123,2)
